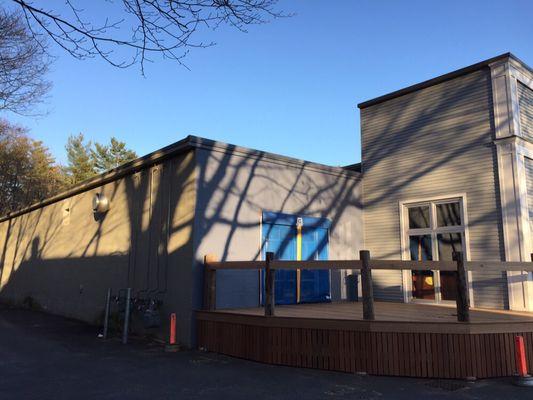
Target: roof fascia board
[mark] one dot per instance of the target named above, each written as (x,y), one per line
(442,78)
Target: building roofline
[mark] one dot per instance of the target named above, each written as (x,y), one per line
(442,78)
(353,167)
(209,144)
(189,143)
(108,176)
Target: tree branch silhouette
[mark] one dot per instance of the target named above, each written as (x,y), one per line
(144,27)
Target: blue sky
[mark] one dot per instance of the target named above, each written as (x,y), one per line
(289,87)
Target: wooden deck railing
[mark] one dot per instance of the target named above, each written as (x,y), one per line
(365,264)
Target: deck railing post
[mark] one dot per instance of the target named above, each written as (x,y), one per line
(270,276)
(463,304)
(210,284)
(367,287)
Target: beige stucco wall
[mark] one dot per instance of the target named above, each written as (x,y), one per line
(64,258)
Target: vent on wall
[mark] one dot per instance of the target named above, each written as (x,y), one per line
(100,203)
(65,213)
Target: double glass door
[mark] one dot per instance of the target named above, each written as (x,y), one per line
(435,232)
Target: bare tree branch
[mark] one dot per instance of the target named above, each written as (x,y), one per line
(23,65)
(145,27)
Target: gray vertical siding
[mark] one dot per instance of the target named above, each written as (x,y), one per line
(66,262)
(436,141)
(529,185)
(235,186)
(525,101)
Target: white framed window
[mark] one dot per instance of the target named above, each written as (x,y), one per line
(433,229)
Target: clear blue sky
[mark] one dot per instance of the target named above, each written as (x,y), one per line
(288,87)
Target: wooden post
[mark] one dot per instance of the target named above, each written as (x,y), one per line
(366,283)
(210,284)
(463,304)
(270,276)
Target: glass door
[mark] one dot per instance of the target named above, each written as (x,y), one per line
(448,244)
(435,231)
(423,283)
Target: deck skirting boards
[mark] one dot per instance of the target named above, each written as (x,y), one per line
(354,349)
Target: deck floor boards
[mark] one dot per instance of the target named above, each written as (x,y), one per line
(388,311)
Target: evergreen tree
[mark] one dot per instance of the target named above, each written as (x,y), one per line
(106,157)
(28,172)
(87,159)
(80,163)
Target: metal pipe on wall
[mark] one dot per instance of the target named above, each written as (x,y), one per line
(126,317)
(106,315)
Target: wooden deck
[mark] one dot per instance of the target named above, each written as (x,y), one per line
(388,311)
(418,340)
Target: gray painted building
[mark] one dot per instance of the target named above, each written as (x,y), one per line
(447,165)
(167,211)
(456,143)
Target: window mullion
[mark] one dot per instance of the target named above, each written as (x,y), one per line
(433,216)
(450,229)
(420,231)
(435,251)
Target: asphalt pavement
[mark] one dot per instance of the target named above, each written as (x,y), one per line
(49,357)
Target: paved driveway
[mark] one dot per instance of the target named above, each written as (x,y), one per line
(48,357)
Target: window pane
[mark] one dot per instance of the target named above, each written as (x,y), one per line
(420,248)
(423,284)
(418,217)
(448,243)
(448,214)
